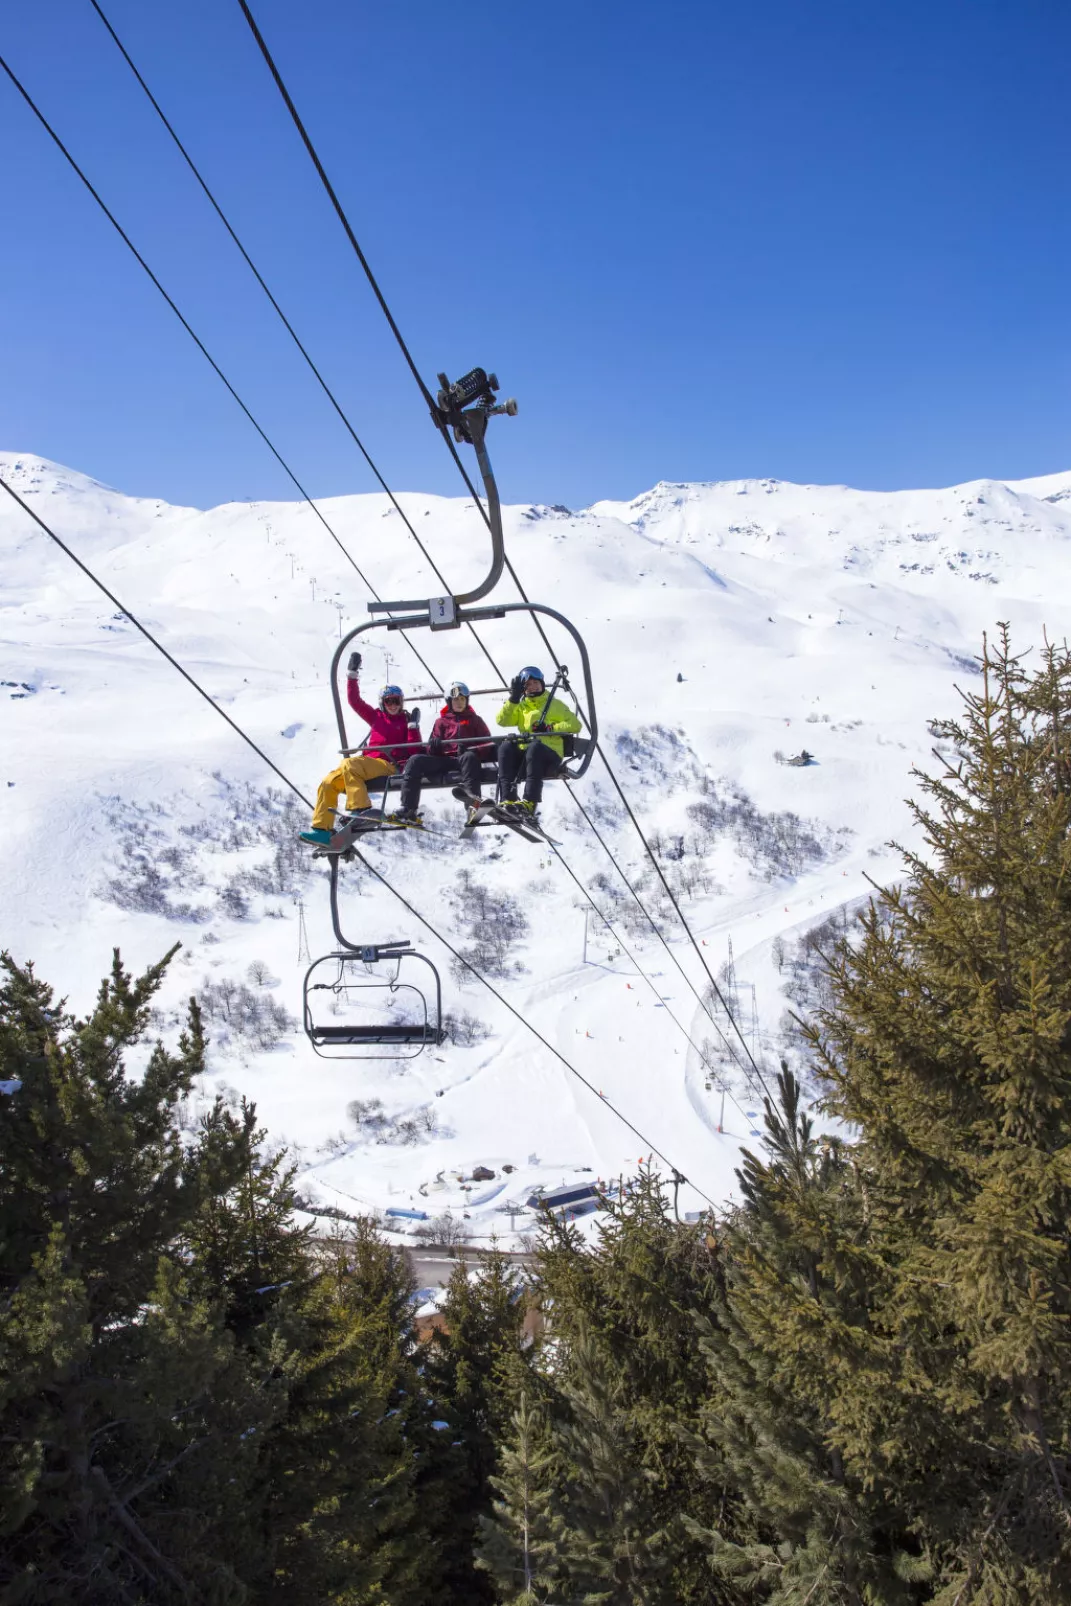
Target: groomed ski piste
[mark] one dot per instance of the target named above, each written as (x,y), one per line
(730,625)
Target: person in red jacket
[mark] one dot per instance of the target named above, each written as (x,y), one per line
(454,744)
(391,738)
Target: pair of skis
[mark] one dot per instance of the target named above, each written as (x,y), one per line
(482,811)
(342,841)
(486,812)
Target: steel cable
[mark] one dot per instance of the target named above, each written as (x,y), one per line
(287,325)
(424,391)
(173,306)
(199,343)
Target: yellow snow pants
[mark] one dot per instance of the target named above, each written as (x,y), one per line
(350,777)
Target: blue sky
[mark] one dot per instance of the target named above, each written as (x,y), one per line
(822,241)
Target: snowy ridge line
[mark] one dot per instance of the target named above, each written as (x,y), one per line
(765,615)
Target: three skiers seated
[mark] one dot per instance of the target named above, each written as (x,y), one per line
(460,742)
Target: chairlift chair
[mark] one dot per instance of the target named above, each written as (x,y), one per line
(464,408)
(347,984)
(334,986)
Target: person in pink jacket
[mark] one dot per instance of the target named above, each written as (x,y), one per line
(391,740)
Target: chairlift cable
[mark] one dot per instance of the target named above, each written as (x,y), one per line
(199,343)
(627,952)
(493,990)
(285,466)
(426,394)
(336,203)
(136,622)
(210,700)
(656,929)
(378,293)
(215,366)
(287,325)
(719,995)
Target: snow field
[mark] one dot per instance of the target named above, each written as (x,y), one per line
(817,617)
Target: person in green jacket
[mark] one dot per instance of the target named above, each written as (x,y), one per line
(540,749)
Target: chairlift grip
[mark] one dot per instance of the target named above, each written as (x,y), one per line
(442,611)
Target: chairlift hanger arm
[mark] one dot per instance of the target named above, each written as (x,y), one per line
(465,407)
(401,949)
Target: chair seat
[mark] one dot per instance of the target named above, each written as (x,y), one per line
(373,1034)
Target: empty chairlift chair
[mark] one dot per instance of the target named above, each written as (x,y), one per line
(358,1005)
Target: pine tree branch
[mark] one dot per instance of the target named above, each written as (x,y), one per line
(127,1521)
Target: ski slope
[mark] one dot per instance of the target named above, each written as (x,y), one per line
(795,616)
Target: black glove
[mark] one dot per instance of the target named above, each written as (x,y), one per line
(516,689)
(435,746)
(540,726)
(413,717)
(354,665)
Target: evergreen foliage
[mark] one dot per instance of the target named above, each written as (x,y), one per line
(198,1402)
(521,1538)
(472,1369)
(948,1045)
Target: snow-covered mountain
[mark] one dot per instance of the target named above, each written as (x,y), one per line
(727,624)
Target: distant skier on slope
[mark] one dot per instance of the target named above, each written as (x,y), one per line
(452,745)
(543,721)
(392,737)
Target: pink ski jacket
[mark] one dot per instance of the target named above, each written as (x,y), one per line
(391,735)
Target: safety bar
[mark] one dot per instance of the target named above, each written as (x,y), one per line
(464,616)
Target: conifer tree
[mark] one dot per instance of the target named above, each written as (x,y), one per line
(243,1240)
(124,1413)
(521,1539)
(341,1521)
(471,1370)
(626,1366)
(197,1402)
(948,1045)
(798,1278)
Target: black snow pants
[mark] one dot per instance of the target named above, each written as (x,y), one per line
(433,766)
(537,761)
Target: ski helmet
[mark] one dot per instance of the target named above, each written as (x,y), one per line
(390,691)
(458,689)
(530,672)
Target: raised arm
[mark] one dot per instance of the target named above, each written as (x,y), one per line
(369,714)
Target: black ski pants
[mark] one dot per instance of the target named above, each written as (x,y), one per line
(536,759)
(433,767)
